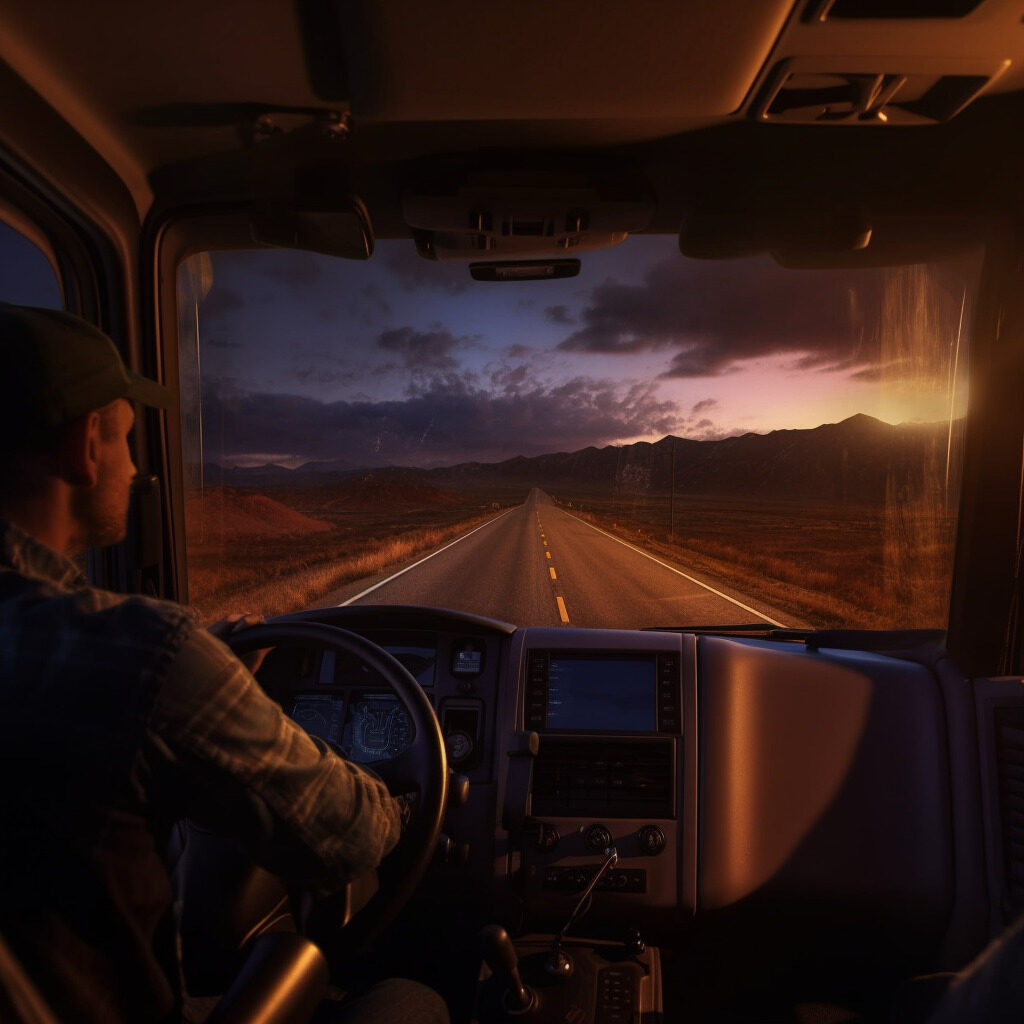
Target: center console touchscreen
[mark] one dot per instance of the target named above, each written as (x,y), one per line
(606,693)
(613,695)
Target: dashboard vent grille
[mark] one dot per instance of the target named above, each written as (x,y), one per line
(623,779)
(888,9)
(1009,734)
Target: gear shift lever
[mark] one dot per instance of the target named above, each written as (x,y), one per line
(501,957)
(559,964)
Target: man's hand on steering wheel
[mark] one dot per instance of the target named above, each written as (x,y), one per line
(420,770)
(229,626)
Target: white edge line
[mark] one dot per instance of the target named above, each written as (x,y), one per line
(679,572)
(402,572)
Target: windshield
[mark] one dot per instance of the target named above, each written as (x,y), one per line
(657,442)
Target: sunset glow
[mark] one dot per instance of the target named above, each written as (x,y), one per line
(401,361)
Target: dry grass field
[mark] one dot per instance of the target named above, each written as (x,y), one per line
(826,565)
(868,567)
(286,548)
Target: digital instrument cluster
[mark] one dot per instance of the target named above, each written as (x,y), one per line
(364,727)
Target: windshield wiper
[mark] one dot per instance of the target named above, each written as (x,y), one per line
(748,630)
(897,642)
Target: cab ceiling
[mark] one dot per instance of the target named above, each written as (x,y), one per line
(155,84)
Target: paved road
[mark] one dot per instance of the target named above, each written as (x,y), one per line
(538,565)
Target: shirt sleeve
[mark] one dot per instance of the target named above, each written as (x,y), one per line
(329,820)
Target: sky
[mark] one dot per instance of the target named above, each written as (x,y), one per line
(404,361)
(26,276)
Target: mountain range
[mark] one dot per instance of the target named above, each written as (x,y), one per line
(859,460)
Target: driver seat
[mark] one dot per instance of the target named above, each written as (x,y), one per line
(282,981)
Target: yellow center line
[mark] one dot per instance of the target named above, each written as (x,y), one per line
(562,613)
(547,554)
(552,571)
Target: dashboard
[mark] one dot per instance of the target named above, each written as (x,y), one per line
(731,775)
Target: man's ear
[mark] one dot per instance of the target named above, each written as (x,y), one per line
(78,451)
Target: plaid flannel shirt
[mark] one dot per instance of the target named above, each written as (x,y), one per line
(213,733)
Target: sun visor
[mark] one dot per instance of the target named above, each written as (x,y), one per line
(734,235)
(813,240)
(338,229)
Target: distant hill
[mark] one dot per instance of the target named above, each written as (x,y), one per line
(235,514)
(389,488)
(270,474)
(857,460)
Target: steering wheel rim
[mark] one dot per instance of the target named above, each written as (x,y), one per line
(426,758)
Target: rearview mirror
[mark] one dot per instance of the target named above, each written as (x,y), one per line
(524,270)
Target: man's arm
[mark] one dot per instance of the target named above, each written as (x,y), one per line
(224,738)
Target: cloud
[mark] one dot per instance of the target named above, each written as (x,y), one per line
(321,375)
(559,315)
(701,428)
(704,405)
(510,378)
(715,314)
(220,300)
(449,419)
(421,350)
(518,351)
(415,272)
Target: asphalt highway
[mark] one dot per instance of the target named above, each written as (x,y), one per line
(538,565)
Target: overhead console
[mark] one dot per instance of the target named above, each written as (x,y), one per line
(512,216)
(828,67)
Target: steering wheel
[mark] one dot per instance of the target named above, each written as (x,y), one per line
(212,868)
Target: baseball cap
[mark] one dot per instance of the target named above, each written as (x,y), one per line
(55,367)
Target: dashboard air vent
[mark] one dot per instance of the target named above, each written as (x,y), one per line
(612,778)
(826,10)
(1009,736)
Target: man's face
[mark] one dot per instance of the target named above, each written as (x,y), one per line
(102,511)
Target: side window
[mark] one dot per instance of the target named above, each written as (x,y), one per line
(26,275)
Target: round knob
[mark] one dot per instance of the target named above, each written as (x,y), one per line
(459,744)
(652,840)
(597,838)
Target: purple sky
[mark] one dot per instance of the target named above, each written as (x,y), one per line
(399,360)
(26,276)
